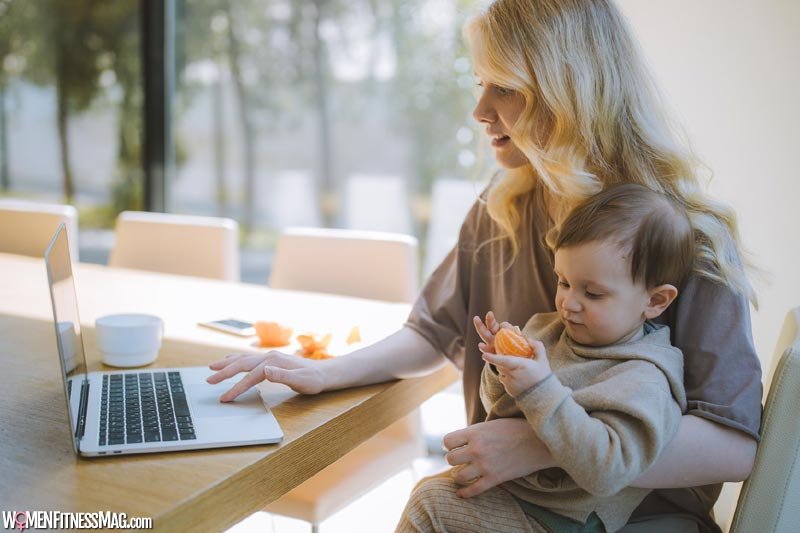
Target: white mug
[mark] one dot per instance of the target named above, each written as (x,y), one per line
(128,340)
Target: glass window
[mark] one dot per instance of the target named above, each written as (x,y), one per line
(70,108)
(285,113)
(321,113)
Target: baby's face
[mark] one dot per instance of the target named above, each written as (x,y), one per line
(597,299)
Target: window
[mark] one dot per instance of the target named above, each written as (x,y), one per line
(320,112)
(70,105)
(302,112)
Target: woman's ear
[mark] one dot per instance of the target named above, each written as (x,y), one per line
(660,298)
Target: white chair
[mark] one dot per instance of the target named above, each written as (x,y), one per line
(381,266)
(367,265)
(205,247)
(27,227)
(770,498)
(376,203)
(451,200)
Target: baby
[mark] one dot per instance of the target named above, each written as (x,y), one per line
(604,387)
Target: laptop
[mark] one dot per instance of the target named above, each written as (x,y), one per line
(148,409)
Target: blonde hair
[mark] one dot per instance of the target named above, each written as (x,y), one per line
(579,70)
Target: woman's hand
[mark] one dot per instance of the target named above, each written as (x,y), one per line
(490,453)
(302,375)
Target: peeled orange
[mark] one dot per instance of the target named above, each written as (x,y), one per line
(313,348)
(510,341)
(272,334)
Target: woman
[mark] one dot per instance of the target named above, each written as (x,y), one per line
(569,108)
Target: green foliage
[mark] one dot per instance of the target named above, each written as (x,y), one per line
(90,51)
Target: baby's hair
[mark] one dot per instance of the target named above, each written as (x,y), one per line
(648,226)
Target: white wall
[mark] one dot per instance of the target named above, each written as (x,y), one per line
(731,70)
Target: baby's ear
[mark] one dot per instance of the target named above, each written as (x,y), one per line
(660,298)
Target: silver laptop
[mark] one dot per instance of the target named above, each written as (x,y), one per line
(149,409)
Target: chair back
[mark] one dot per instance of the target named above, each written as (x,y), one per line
(26,228)
(380,266)
(206,247)
(770,498)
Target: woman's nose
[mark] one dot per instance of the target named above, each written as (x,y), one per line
(484,111)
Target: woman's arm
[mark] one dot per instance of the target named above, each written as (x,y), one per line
(403,354)
(702,452)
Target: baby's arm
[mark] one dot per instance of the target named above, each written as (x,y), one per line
(633,414)
(605,435)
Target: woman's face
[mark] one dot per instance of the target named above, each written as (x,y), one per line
(498,109)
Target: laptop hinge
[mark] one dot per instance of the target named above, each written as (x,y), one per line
(83,407)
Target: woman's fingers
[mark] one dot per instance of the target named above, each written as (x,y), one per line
(465,474)
(230,358)
(233,367)
(235,363)
(456,439)
(458,456)
(254,377)
(475,488)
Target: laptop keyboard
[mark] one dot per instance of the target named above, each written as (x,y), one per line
(144,407)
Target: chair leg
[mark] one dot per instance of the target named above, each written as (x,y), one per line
(314,528)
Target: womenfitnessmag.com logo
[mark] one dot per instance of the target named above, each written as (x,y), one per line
(22,520)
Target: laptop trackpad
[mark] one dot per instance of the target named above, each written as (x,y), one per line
(205,402)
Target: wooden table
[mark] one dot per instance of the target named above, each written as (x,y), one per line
(203,490)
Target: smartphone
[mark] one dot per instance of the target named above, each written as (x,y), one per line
(232,326)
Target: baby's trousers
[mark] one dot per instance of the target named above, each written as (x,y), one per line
(435,507)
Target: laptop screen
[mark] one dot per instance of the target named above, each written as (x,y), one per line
(68,326)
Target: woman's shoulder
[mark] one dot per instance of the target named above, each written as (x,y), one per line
(710,314)
(701,293)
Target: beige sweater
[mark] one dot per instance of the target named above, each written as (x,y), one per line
(605,414)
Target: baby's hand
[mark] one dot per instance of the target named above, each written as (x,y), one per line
(518,374)
(487,331)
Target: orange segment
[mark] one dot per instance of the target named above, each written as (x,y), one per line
(312,348)
(354,336)
(511,342)
(272,334)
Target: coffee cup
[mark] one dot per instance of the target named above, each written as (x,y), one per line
(128,340)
